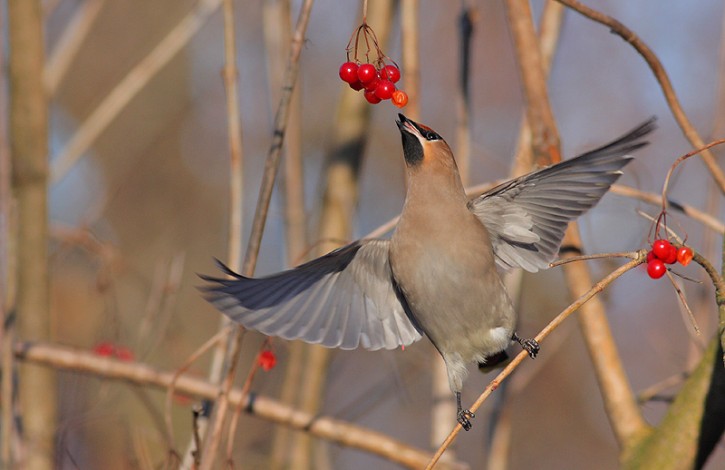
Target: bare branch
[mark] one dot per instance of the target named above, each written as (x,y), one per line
(343,433)
(544,133)
(656,199)
(65,50)
(28,128)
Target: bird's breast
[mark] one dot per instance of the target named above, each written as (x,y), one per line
(447,273)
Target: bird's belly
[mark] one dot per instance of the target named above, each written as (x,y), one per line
(462,306)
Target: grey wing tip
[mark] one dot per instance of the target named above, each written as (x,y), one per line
(640,131)
(620,148)
(226,269)
(216,282)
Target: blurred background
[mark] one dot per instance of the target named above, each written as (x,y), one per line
(146,207)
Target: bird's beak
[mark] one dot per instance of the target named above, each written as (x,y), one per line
(407,125)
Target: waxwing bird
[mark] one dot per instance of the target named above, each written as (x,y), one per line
(439,273)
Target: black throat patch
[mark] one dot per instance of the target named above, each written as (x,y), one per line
(412,149)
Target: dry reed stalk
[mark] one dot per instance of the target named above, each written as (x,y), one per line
(29,150)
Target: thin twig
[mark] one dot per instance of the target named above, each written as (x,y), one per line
(66,48)
(7,294)
(277,17)
(655,389)
(681,159)
(410,45)
(197,413)
(208,344)
(670,232)
(236,188)
(553,324)
(164,287)
(234,131)
(656,199)
(122,94)
(246,387)
(216,423)
(618,254)
(258,224)
(661,75)
(683,301)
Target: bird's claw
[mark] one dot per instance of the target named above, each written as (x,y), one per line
(531,346)
(464,418)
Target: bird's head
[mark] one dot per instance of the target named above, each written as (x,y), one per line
(421,144)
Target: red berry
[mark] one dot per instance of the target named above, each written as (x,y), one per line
(356,85)
(348,72)
(104,349)
(366,73)
(656,268)
(385,89)
(390,72)
(684,255)
(372,84)
(372,97)
(400,98)
(650,256)
(182,399)
(124,354)
(661,248)
(671,255)
(267,360)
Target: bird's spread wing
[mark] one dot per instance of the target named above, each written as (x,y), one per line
(527,217)
(343,299)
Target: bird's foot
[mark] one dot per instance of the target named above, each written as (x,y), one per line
(531,346)
(464,418)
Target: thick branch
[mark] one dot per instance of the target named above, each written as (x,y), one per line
(619,400)
(62,357)
(544,133)
(29,147)
(692,426)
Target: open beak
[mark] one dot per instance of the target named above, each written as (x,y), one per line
(407,125)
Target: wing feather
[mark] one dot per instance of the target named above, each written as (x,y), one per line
(343,299)
(526,217)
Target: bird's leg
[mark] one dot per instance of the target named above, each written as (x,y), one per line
(464,416)
(531,346)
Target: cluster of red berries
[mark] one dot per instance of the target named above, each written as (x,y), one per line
(663,252)
(378,82)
